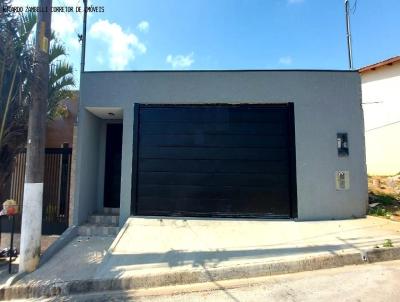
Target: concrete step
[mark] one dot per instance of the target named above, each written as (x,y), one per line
(104,219)
(113,211)
(98,230)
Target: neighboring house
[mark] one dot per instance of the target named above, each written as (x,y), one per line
(381,104)
(57,174)
(59,131)
(266,144)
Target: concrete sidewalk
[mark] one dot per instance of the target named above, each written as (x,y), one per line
(157,245)
(46,241)
(156,252)
(79,260)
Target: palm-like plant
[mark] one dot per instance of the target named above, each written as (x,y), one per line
(16,74)
(16,58)
(61,79)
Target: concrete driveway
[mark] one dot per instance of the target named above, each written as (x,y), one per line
(151,252)
(151,245)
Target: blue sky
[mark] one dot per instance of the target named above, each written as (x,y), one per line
(229,34)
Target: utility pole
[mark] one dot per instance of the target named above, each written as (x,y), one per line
(348,31)
(31,228)
(83,51)
(82,39)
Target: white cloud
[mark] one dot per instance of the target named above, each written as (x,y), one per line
(180,61)
(100,59)
(74,43)
(286,60)
(66,27)
(71,3)
(64,24)
(24,3)
(122,46)
(143,26)
(295,1)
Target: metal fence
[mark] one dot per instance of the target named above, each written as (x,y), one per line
(55,191)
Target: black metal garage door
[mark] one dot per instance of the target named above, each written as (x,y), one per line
(214,160)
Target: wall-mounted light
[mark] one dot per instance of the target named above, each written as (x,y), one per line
(342,144)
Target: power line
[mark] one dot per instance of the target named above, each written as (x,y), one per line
(354,7)
(376,102)
(383,126)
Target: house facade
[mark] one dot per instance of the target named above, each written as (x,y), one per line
(258,144)
(381,99)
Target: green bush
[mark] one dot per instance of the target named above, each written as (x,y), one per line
(379,211)
(387,243)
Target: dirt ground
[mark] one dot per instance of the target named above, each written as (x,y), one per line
(384,196)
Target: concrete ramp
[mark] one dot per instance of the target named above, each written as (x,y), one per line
(163,245)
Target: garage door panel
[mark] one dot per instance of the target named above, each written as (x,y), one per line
(269,207)
(261,154)
(214,179)
(213,166)
(207,192)
(184,205)
(228,200)
(217,140)
(195,192)
(249,128)
(212,114)
(207,207)
(213,160)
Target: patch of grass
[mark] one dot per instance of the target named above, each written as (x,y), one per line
(380,211)
(388,243)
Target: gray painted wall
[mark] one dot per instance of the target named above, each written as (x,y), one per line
(87,166)
(325,102)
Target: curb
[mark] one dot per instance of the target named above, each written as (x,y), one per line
(15,278)
(50,289)
(69,234)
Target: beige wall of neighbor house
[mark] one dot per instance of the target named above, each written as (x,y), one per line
(381,98)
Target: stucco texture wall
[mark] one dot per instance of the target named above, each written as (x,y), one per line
(325,102)
(381,98)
